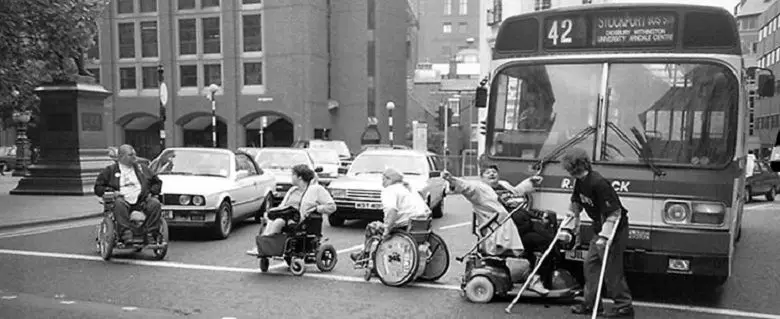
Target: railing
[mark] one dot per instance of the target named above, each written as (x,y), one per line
(462,165)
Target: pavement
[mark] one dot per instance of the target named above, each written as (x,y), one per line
(27,210)
(55,271)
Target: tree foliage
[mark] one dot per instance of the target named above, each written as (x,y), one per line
(38,41)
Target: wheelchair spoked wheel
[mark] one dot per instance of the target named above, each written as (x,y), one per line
(396,260)
(106,238)
(160,253)
(327,257)
(439,262)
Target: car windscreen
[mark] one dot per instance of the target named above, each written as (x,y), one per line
(378,163)
(193,162)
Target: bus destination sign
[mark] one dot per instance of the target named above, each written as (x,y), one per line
(639,30)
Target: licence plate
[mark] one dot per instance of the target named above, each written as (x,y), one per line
(578,254)
(167,214)
(368,205)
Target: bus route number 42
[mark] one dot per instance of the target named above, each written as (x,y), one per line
(559,31)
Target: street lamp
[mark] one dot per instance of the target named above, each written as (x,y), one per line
(213,88)
(390,106)
(21,118)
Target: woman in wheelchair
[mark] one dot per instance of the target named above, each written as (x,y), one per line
(306,194)
(400,204)
(506,240)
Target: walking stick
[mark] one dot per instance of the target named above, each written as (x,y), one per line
(538,265)
(603,270)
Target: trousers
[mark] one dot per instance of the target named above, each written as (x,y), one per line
(151,207)
(615,283)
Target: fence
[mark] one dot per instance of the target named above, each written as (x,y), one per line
(462,165)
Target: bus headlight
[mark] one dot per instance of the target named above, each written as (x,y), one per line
(676,213)
(708,213)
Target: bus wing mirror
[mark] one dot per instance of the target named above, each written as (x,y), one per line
(480,100)
(774,158)
(766,85)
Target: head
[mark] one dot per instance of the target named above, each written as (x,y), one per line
(392,176)
(126,154)
(576,161)
(302,175)
(490,174)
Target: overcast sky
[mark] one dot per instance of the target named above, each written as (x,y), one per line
(728,4)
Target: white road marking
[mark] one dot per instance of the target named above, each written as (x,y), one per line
(9,297)
(454,226)
(67,302)
(706,310)
(759,206)
(47,229)
(129,308)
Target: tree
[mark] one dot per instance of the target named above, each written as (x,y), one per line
(42,41)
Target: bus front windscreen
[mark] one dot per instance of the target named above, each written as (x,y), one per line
(684,113)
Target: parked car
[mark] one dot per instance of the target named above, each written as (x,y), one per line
(7,157)
(279,161)
(383,146)
(345,156)
(762,181)
(357,194)
(328,160)
(213,188)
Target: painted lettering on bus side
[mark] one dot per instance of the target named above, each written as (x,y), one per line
(618,186)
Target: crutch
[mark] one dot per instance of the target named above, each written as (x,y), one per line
(603,269)
(484,238)
(538,265)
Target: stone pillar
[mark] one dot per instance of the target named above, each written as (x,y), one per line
(73,141)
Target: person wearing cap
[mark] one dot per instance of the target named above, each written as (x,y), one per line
(594,194)
(400,204)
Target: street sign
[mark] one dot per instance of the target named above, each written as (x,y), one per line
(163,94)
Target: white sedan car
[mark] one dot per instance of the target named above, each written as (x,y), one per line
(213,188)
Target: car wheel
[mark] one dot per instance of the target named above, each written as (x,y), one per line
(748,195)
(223,221)
(770,195)
(268,203)
(438,210)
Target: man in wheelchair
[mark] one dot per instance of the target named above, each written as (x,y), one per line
(517,239)
(400,204)
(136,187)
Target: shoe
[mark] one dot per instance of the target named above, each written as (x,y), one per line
(537,286)
(582,309)
(625,312)
(252,251)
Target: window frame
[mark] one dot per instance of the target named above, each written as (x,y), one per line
(199,55)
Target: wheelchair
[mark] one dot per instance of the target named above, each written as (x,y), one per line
(488,275)
(108,238)
(410,253)
(299,244)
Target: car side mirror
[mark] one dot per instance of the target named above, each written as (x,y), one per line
(434,174)
(242,173)
(342,170)
(318,169)
(774,158)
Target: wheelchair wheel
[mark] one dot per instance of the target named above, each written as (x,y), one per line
(479,289)
(264,263)
(439,261)
(327,257)
(396,260)
(297,267)
(160,253)
(106,238)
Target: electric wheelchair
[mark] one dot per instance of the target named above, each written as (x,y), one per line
(108,237)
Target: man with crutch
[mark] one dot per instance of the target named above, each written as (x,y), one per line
(593,193)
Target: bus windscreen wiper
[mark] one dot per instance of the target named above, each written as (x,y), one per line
(623,136)
(647,153)
(579,137)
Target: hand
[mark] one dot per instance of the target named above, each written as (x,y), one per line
(536,179)
(386,234)
(601,242)
(446,175)
(564,237)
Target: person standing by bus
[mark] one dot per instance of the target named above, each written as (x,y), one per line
(593,193)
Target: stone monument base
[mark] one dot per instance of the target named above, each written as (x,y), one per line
(63,177)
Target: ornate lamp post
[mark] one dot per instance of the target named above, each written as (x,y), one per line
(21,118)
(390,106)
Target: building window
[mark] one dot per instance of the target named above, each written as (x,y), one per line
(252,1)
(127,78)
(371,14)
(447,7)
(126,40)
(253,73)
(188,37)
(371,101)
(94,50)
(149,39)
(209,3)
(463,7)
(149,77)
(211,41)
(446,27)
(463,27)
(253,33)
(125,6)
(542,5)
(587,1)
(408,49)
(212,74)
(148,5)
(188,75)
(95,73)
(754,47)
(371,58)
(186,4)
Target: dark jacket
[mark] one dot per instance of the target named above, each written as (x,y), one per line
(108,180)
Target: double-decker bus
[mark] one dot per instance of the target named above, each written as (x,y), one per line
(658,95)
